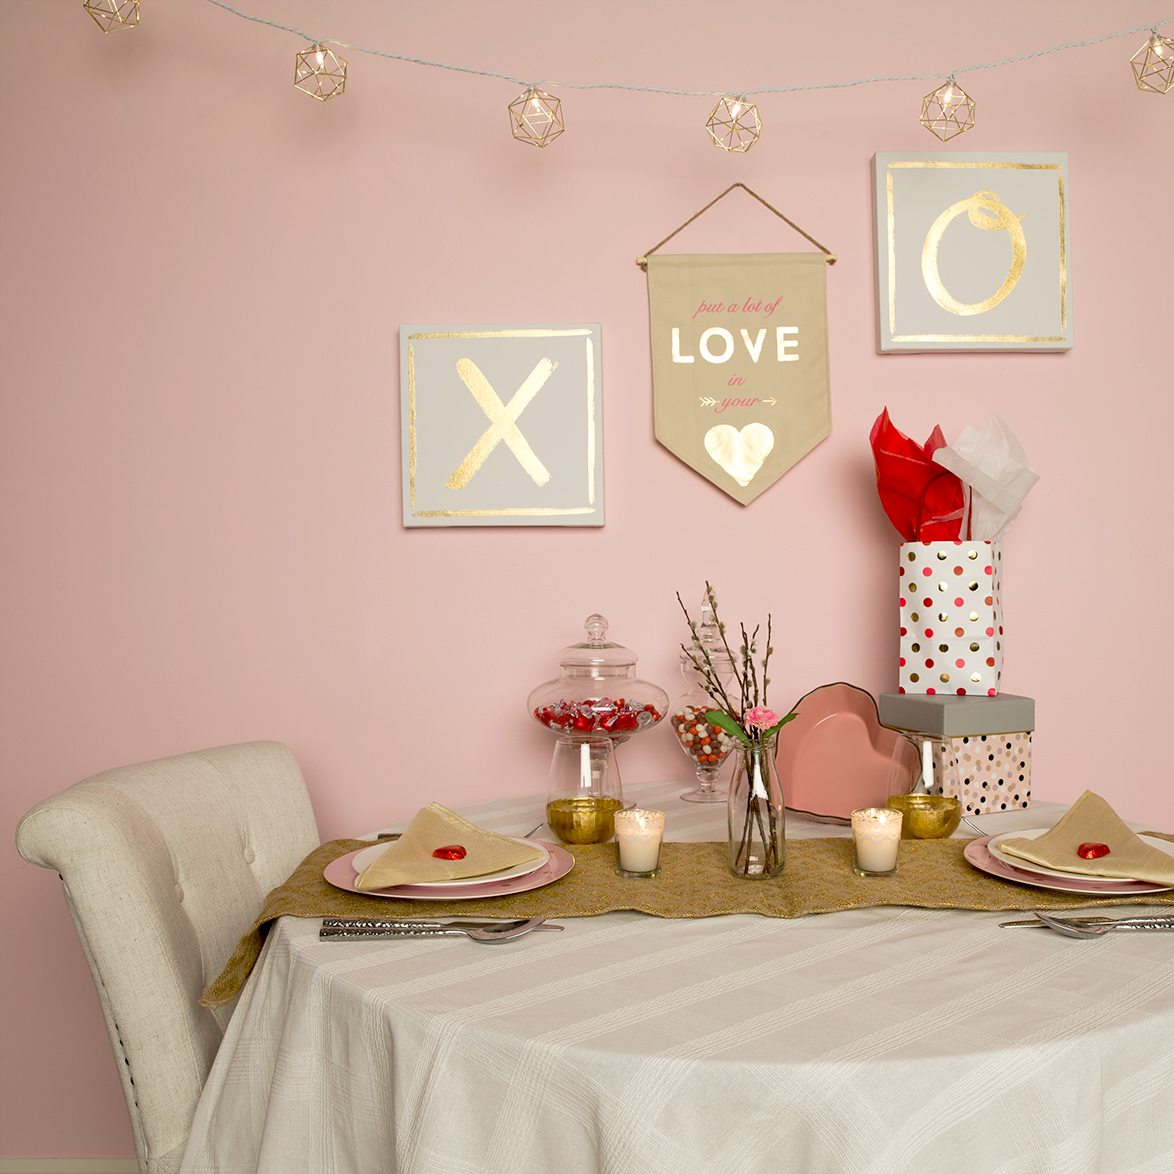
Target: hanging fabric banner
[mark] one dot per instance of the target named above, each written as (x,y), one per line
(740,363)
(740,358)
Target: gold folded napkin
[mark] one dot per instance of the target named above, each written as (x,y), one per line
(1090,820)
(409,860)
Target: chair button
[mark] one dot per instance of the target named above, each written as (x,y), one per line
(250,856)
(179,893)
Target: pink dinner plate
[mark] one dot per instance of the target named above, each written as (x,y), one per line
(836,756)
(342,874)
(977,854)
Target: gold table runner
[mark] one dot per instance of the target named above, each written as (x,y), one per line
(695,881)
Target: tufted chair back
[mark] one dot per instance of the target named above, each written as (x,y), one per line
(165,865)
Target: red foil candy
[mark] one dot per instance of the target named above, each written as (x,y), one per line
(597,715)
(450,852)
(1092,851)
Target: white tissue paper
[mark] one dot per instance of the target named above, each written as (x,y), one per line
(994,467)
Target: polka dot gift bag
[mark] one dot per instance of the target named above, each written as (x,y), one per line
(952,504)
(951,617)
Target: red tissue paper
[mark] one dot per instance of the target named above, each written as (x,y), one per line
(926,502)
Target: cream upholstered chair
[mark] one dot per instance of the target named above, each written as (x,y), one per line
(165,864)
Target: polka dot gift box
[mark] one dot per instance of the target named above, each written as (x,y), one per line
(980,747)
(951,618)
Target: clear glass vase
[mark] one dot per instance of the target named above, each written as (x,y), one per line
(756,812)
(585,790)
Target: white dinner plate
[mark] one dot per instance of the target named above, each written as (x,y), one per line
(976,853)
(367,856)
(1030,866)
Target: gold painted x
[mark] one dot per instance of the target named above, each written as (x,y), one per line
(502,426)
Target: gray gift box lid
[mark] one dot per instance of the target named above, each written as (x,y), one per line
(949,715)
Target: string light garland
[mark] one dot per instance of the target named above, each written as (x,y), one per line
(946,112)
(1153,64)
(734,124)
(110,15)
(536,117)
(320,72)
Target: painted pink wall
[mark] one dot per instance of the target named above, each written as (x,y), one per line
(204,272)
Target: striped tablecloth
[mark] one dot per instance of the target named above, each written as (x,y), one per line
(870,1041)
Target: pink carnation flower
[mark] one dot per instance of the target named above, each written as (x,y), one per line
(760,718)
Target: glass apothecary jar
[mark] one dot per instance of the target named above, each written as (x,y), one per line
(597,691)
(595,704)
(708,746)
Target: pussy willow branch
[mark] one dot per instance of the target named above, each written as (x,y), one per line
(713,684)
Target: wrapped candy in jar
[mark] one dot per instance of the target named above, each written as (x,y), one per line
(598,701)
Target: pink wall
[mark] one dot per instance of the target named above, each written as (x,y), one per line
(204,272)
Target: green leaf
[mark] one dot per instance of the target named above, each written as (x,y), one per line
(779,725)
(715,717)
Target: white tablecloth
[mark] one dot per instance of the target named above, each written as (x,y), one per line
(874,1041)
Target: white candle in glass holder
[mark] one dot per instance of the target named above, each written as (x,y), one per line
(876,832)
(638,837)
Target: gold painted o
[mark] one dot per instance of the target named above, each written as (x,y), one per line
(987,212)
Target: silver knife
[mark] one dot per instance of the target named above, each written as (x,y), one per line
(344,927)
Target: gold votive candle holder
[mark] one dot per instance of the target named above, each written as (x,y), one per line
(927,817)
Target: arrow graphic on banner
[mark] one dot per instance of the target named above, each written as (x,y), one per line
(707,401)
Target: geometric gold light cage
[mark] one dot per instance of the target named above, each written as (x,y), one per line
(536,117)
(948,111)
(113,14)
(734,124)
(320,72)
(1153,64)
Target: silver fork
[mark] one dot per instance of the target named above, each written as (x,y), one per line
(1086,930)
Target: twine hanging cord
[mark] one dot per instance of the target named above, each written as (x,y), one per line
(831,257)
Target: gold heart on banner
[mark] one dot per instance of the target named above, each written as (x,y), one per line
(740,453)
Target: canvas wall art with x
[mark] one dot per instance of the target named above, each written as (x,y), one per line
(502,425)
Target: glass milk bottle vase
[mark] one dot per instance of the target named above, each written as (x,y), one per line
(756,813)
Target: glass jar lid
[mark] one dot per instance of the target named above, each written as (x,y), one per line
(597,653)
(597,691)
(706,638)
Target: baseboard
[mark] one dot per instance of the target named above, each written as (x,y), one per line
(68,1166)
